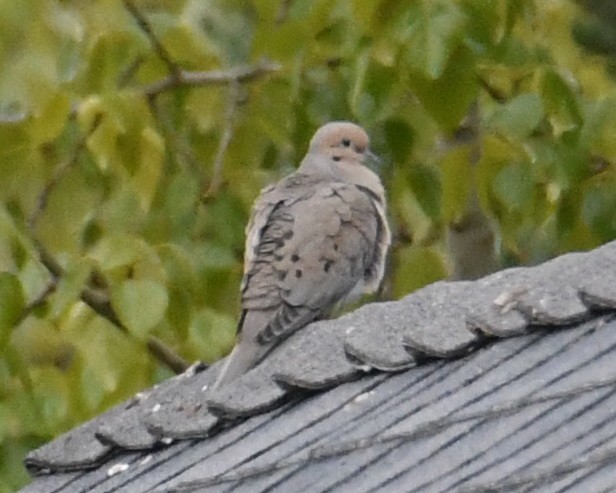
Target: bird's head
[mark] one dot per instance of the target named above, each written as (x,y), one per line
(337,152)
(342,142)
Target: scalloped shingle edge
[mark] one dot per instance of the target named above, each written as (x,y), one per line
(442,320)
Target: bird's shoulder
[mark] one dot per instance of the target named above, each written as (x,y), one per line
(308,201)
(298,186)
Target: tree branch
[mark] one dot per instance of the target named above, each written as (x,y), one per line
(160,50)
(225,140)
(37,302)
(128,73)
(178,143)
(494,93)
(283,11)
(178,77)
(185,78)
(161,352)
(43,197)
(99,302)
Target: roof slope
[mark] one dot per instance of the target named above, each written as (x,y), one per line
(504,415)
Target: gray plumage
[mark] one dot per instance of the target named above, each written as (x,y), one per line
(316,239)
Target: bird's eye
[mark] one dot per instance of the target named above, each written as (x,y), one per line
(346,142)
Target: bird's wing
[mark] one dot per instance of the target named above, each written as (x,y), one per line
(311,245)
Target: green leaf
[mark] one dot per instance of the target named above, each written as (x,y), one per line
(71,203)
(12,304)
(89,110)
(378,15)
(12,452)
(51,119)
(484,21)
(38,342)
(457,179)
(52,397)
(102,142)
(117,250)
(211,335)
(109,53)
(561,103)
(426,186)
(14,135)
(181,285)
(69,287)
(34,278)
(214,256)
(112,363)
(224,221)
(599,123)
(147,177)
(417,267)
(178,265)
(185,43)
(432,34)
(361,68)
(228,27)
(519,117)
(514,186)
(399,137)
(281,42)
(448,97)
(121,213)
(598,206)
(140,305)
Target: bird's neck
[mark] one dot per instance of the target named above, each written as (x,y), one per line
(324,168)
(318,166)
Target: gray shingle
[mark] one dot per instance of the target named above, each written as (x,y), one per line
(382,349)
(181,412)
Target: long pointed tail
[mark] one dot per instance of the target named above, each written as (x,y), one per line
(248,352)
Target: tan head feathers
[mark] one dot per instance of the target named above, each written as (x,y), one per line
(340,134)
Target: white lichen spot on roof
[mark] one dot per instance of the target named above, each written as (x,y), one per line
(357,400)
(117,468)
(507,300)
(364,396)
(145,460)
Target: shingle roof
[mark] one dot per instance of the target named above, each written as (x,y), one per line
(416,400)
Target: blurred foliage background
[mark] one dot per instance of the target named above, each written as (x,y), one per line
(135,134)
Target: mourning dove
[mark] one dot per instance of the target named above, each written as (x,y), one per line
(316,240)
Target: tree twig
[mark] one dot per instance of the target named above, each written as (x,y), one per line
(99,302)
(178,144)
(160,50)
(37,302)
(223,144)
(128,73)
(178,77)
(43,197)
(494,93)
(283,11)
(185,78)
(163,353)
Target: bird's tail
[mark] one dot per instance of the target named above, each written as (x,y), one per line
(248,351)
